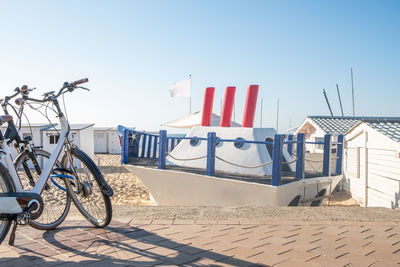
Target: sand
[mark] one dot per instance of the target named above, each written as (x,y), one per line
(128,189)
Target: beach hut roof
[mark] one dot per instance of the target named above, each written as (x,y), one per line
(342,124)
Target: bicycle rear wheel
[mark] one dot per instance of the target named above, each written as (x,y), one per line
(6,186)
(87,196)
(57,201)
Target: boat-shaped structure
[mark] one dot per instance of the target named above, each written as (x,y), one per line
(232,166)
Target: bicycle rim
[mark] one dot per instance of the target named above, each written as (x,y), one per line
(5,186)
(88,198)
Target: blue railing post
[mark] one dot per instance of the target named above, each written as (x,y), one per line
(136,149)
(327,155)
(143,145)
(172,144)
(125,146)
(155,147)
(277,160)
(290,145)
(211,140)
(162,151)
(149,147)
(339,153)
(300,155)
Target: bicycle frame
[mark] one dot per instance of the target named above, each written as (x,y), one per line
(47,170)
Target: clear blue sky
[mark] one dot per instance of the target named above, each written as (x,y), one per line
(132,51)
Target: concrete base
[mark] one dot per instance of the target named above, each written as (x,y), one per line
(177,188)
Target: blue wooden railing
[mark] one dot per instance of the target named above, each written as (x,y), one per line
(152,144)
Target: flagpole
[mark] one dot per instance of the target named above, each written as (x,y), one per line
(261,113)
(190,97)
(277,116)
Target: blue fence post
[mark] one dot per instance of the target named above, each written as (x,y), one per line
(172,144)
(125,146)
(300,150)
(290,145)
(277,160)
(339,153)
(155,147)
(327,155)
(143,145)
(162,150)
(136,149)
(211,140)
(149,147)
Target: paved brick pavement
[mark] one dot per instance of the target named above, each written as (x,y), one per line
(207,243)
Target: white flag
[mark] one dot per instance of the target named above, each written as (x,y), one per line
(181,88)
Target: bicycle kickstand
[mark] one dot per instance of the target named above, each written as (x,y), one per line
(12,235)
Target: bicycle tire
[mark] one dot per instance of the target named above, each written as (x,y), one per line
(52,196)
(6,185)
(80,200)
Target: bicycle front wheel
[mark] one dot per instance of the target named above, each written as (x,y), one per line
(57,201)
(5,187)
(85,190)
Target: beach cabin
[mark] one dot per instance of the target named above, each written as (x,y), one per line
(372,162)
(82,135)
(34,130)
(316,127)
(106,140)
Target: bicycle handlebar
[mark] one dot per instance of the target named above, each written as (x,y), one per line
(84,80)
(69,86)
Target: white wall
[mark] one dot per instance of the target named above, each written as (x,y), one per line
(100,141)
(87,141)
(114,146)
(373,178)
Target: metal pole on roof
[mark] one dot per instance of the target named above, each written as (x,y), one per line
(340,101)
(327,101)
(190,97)
(352,89)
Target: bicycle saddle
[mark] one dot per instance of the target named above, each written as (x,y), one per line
(5,118)
(48,93)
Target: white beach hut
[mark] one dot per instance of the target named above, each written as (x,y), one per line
(106,140)
(372,162)
(82,135)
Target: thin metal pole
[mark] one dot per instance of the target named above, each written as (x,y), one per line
(190,97)
(277,117)
(352,90)
(327,101)
(340,101)
(261,113)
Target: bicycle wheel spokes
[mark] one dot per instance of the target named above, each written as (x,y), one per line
(56,200)
(87,195)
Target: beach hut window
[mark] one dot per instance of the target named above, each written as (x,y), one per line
(54,139)
(194,142)
(238,144)
(270,147)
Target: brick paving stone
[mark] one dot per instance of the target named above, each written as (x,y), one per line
(228,222)
(179,258)
(136,222)
(162,222)
(206,222)
(179,222)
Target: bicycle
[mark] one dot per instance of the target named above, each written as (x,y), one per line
(29,163)
(82,178)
